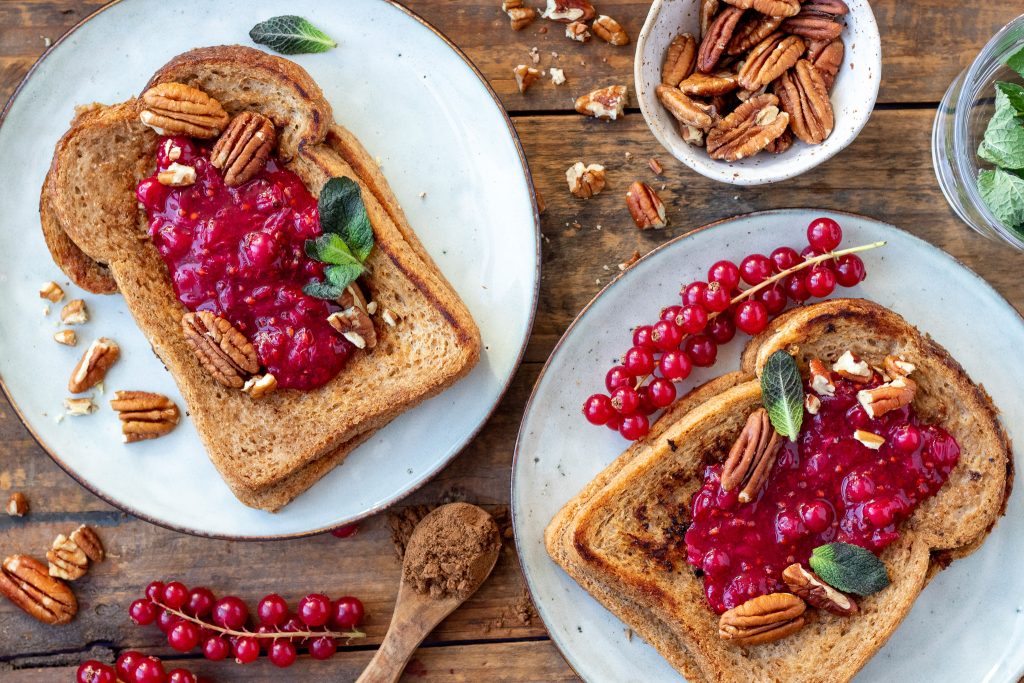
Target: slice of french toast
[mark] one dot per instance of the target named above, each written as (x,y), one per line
(270,450)
(622,537)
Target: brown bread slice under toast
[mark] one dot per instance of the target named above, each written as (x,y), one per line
(621,538)
(270,450)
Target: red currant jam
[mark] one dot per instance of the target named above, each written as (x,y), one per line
(239,252)
(825,487)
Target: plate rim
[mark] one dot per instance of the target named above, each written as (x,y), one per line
(515,513)
(444,462)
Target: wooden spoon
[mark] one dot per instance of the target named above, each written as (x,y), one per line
(417,613)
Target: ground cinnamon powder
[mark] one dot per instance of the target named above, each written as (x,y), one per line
(450,553)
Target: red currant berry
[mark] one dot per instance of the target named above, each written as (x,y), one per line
(184,636)
(642,337)
(618,377)
(634,427)
(722,329)
(598,409)
(216,649)
(666,336)
(702,351)
(347,612)
(752,317)
(175,595)
(126,663)
(293,625)
(661,392)
(824,234)
(669,313)
(315,609)
(92,671)
(809,252)
(149,670)
(165,621)
(246,650)
(785,258)
(322,648)
(726,274)
(906,438)
(266,631)
(716,298)
(230,612)
(625,400)
(795,287)
(272,610)
(200,602)
(645,406)
(282,653)
(345,531)
(850,270)
(638,361)
(693,293)
(773,298)
(181,676)
(155,591)
(614,422)
(692,319)
(755,269)
(142,612)
(675,366)
(820,282)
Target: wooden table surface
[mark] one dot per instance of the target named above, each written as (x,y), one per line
(886,173)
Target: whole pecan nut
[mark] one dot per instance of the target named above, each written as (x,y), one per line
(604,103)
(813,26)
(763,619)
(85,537)
(645,206)
(836,8)
(242,151)
(751,31)
(807,585)
(680,58)
(179,109)
(567,11)
(773,8)
(748,129)
(804,96)
(827,58)
(752,456)
(769,59)
(684,109)
(67,560)
(223,351)
(26,583)
(610,31)
(93,365)
(709,85)
(717,38)
(144,415)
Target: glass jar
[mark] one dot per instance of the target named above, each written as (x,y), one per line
(960,125)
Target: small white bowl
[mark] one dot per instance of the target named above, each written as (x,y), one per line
(853,97)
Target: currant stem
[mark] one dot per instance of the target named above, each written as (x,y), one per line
(347,635)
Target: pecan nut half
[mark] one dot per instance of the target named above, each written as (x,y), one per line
(26,583)
(223,351)
(93,365)
(568,11)
(752,456)
(827,58)
(763,619)
(67,560)
(813,25)
(85,537)
(717,38)
(144,415)
(782,143)
(751,31)
(707,12)
(609,30)
(890,396)
(680,59)
(645,206)
(604,103)
(684,109)
(242,151)
(807,585)
(836,8)
(748,129)
(769,59)
(705,85)
(179,109)
(773,8)
(804,97)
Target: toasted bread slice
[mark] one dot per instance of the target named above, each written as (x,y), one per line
(269,450)
(621,538)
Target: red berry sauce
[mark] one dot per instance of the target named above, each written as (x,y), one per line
(239,252)
(826,487)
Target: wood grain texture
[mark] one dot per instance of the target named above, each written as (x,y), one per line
(886,173)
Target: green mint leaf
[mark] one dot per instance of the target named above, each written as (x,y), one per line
(323,290)
(1003,192)
(1016,62)
(849,568)
(329,248)
(342,211)
(291,35)
(341,276)
(1014,95)
(782,392)
(1003,144)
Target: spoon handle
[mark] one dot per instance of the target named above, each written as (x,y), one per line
(390,660)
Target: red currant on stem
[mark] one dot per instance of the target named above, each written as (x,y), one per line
(272,610)
(216,649)
(661,392)
(180,676)
(200,602)
(751,316)
(716,297)
(785,258)
(322,648)
(143,612)
(642,337)
(722,329)
(675,365)
(795,287)
(598,409)
(693,293)
(314,609)
(246,650)
(824,235)
(92,671)
(701,350)
(166,621)
(669,313)
(126,664)
(726,274)
(282,653)
(625,400)
(614,422)
(820,282)
(634,427)
(155,591)
(638,361)
(666,336)
(184,636)
(692,319)
(618,377)
(773,298)
(645,406)
(347,612)
(230,612)
(149,670)
(175,595)
(755,269)
(850,270)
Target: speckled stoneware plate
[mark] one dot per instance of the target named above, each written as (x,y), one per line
(419,106)
(967,625)
(853,96)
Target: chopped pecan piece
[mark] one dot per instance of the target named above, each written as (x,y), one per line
(93,365)
(67,560)
(897,367)
(813,25)
(821,378)
(355,326)
(816,592)
(747,130)
(717,38)
(223,351)
(390,317)
(51,291)
(17,505)
(705,85)
(242,151)
(804,96)
(144,415)
(520,17)
(74,313)
(680,59)
(763,619)
(752,456)
(177,175)
(77,407)
(890,396)
(751,30)
(26,583)
(684,109)
(568,11)
(852,368)
(692,135)
(610,31)
(771,58)
(605,103)
(655,166)
(353,296)
(577,31)
(827,58)
(260,385)
(85,537)
(179,109)
(812,404)
(525,77)
(869,439)
(773,8)
(585,181)
(66,337)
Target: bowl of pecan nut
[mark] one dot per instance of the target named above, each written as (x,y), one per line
(750,92)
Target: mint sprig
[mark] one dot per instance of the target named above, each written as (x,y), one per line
(1003,191)
(782,393)
(347,238)
(849,568)
(1002,188)
(291,35)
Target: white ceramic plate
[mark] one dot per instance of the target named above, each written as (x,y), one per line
(966,625)
(853,96)
(419,106)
